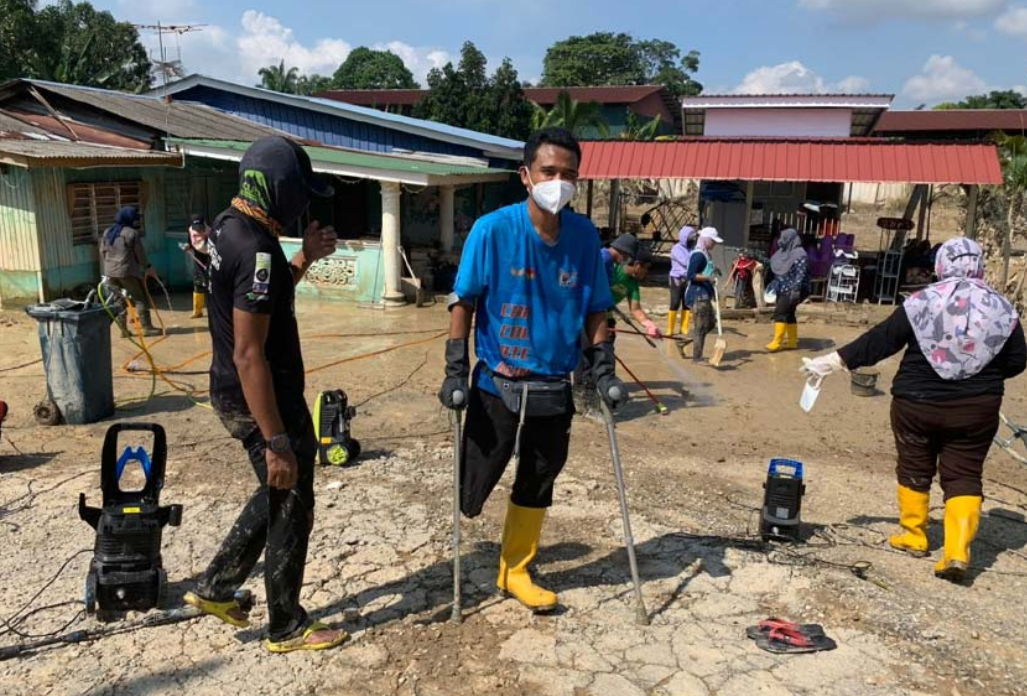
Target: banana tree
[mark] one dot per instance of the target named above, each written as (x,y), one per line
(578,117)
(1013,155)
(636,130)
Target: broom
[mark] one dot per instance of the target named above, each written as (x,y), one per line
(721,345)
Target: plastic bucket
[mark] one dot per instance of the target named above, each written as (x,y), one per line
(864,382)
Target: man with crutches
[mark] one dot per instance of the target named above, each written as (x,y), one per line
(532,277)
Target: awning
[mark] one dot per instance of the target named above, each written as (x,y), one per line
(828,160)
(59,153)
(359,165)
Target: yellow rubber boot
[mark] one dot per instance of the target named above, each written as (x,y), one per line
(686,322)
(913,507)
(779,338)
(792,334)
(672,322)
(521,534)
(198,298)
(962,516)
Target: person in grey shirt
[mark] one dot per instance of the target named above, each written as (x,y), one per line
(124,263)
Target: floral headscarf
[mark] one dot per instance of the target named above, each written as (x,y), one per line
(960,323)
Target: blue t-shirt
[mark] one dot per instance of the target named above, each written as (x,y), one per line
(531,298)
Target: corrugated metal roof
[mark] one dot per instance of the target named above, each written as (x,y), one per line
(832,160)
(10,124)
(430,129)
(178,119)
(375,97)
(897,122)
(55,153)
(334,160)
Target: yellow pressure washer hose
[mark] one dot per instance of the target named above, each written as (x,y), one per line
(156,371)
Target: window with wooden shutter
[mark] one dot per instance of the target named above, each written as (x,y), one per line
(95,206)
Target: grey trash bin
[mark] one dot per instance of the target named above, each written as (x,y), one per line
(75,339)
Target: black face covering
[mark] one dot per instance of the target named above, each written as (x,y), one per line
(275,174)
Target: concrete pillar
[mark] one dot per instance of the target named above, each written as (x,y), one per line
(446,216)
(750,189)
(390,244)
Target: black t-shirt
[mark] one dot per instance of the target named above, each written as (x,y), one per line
(249,271)
(916,380)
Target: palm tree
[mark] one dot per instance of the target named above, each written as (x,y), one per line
(577,117)
(277,79)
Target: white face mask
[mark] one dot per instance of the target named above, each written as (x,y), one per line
(552,195)
(810,392)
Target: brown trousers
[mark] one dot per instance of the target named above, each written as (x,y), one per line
(951,438)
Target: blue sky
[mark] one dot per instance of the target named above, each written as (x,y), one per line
(923,51)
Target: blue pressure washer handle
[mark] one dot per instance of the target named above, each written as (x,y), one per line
(154,463)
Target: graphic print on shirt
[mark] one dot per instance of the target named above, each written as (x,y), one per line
(262,275)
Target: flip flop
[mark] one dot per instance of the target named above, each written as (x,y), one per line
(773,622)
(784,641)
(299,642)
(219,609)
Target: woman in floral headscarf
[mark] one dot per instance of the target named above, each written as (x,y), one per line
(962,341)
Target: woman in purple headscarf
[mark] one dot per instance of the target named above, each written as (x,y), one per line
(677,318)
(962,341)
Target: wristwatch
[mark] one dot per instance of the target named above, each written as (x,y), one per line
(279,443)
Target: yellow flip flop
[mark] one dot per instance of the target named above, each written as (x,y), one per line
(300,642)
(218,609)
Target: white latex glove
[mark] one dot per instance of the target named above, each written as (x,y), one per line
(823,366)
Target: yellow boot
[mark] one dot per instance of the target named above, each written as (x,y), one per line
(913,507)
(520,545)
(962,515)
(672,322)
(198,298)
(792,332)
(686,322)
(779,338)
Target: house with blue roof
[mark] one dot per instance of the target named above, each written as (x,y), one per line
(403,185)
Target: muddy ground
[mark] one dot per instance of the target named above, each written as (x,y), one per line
(379,562)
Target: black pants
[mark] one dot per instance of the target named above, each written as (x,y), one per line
(200,279)
(489,435)
(274,522)
(948,437)
(703,322)
(677,294)
(784,309)
(135,287)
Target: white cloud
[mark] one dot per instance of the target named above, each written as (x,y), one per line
(795,78)
(265,40)
(943,79)
(1013,22)
(882,10)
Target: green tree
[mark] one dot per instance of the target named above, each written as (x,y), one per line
(467,97)
(71,43)
(606,58)
(308,85)
(582,119)
(1013,155)
(366,68)
(278,79)
(996,99)
(635,129)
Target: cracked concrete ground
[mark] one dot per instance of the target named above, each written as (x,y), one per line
(379,562)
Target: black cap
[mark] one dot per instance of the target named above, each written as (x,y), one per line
(278,154)
(198,220)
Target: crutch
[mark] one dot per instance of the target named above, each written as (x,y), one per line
(642,616)
(458,400)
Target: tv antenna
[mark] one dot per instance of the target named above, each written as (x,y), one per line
(162,67)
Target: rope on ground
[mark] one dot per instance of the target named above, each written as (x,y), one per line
(18,367)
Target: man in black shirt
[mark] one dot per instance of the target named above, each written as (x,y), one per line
(256,385)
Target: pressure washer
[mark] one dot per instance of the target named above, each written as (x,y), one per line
(332,422)
(782,500)
(126,572)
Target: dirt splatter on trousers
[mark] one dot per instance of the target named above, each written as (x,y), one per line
(703,322)
(949,438)
(274,522)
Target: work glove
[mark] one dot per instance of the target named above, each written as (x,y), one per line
(651,329)
(601,362)
(823,366)
(455,388)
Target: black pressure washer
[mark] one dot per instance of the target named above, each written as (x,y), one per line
(127,571)
(332,422)
(782,501)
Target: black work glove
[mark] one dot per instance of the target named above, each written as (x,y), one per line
(458,369)
(602,363)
